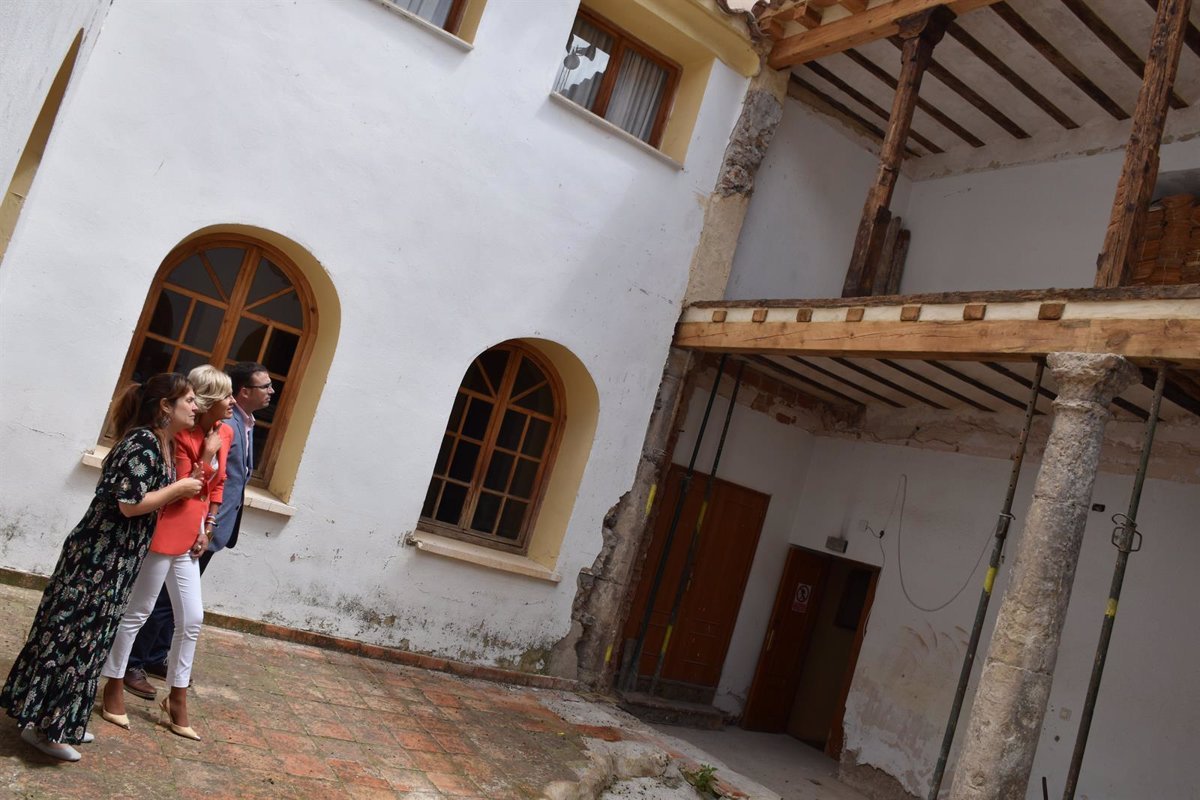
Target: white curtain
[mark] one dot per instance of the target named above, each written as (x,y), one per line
(582,83)
(637,95)
(434,11)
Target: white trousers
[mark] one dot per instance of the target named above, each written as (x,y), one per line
(182,576)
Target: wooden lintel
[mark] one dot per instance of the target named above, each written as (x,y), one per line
(878,22)
(1142,340)
(1140,171)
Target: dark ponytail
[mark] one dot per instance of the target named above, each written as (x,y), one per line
(137,406)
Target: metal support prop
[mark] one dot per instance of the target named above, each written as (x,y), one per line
(1127,540)
(985,597)
(685,577)
(630,682)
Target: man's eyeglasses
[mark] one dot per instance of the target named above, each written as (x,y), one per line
(266,385)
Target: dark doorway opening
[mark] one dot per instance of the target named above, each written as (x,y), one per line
(811,648)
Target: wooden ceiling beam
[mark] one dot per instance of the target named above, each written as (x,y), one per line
(1145,330)
(878,22)
(1141,340)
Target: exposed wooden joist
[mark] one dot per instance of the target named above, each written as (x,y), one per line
(792,375)
(867,26)
(980,386)
(847,382)
(1114,42)
(959,87)
(1138,174)
(895,387)
(917,376)
(960,35)
(930,109)
(1060,62)
(919,34)
(810,95)
(866,102)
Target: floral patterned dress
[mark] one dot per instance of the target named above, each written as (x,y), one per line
(54,679)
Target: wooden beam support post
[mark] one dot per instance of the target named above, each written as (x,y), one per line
(1122,242)
(919,33)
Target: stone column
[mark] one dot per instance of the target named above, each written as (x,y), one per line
(1014,687)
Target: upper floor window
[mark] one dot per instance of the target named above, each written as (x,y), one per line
(495,458)
(223,299)
(616,77)
(446,14)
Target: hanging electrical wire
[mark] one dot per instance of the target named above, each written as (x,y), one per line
(902,496)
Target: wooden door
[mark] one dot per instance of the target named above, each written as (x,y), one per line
(786,642)
(728,539)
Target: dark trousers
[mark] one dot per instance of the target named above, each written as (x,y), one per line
(153,641)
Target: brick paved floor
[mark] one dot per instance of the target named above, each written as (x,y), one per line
(282,720)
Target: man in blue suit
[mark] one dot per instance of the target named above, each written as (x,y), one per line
(252,391)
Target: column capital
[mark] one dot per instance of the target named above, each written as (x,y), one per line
(1091,377)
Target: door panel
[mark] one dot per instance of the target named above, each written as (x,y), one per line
(788,633)
(729,538)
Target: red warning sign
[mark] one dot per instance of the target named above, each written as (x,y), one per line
(800,600)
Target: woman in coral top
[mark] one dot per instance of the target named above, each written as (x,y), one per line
(180,538)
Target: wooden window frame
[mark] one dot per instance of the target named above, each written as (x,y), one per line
(236,298)
(455,17)
(487,450)
(622,41)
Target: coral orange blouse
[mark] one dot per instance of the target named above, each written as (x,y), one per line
(181,522)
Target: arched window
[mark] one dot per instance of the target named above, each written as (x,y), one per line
(497,451)
(222,299)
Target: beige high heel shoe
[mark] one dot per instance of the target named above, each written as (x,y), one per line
(179,730)
(121,720)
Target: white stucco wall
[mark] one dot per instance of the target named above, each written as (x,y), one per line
(804,212)
(453,207)
(34,39)
(770,458)
(909,664)
(1028,227)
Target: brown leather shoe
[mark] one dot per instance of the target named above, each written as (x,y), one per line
(136,684)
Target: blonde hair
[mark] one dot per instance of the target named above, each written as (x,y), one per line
(211,386)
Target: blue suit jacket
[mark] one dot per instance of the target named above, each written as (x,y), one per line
(238,466)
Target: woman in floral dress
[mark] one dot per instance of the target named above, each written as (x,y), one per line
(52,686)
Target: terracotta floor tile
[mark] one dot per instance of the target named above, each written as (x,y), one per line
(411,740)
(452,784)
(305,766)
(358,773)
(407,780)
(328,729)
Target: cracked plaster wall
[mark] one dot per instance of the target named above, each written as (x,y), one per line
(910,658)
(453,207)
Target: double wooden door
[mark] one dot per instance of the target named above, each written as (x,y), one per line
(728,538)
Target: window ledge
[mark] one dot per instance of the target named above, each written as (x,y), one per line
(608,127)
(428,542)
(445,36)
(255,496)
